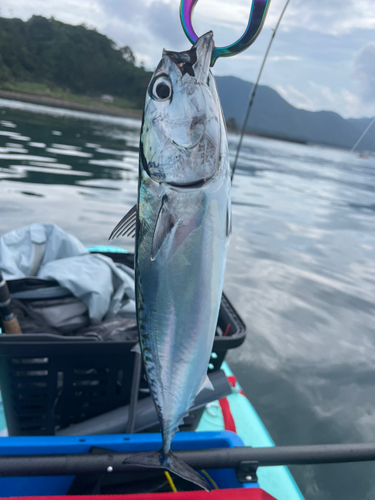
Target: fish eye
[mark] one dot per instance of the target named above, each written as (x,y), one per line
(161,89)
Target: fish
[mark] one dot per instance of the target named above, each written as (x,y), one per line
(182,224)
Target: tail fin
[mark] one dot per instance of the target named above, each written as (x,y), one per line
(182,469)
(156,460)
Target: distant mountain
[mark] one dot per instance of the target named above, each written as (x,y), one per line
(82,61)
(272,115)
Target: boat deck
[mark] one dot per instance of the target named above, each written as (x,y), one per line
(235,413)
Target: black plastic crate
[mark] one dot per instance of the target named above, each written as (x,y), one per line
(230,332)
(50,381)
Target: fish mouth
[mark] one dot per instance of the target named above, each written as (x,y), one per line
(186,148)
(190,185)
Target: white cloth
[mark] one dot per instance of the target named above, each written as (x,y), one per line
(105,287)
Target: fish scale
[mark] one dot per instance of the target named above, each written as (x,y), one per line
(178,269)
(182,232)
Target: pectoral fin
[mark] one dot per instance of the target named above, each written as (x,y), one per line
(164,225)
(127,225)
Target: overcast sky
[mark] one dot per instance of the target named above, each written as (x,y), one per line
(323,56)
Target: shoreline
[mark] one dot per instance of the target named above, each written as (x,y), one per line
(63,103)
(104,109)
(270,136)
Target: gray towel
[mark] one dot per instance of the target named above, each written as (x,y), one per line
(47,252)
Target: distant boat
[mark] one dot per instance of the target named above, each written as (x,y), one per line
(364,156)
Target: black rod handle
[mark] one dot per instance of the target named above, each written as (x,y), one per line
(280,455)
(214,458)
(7,316)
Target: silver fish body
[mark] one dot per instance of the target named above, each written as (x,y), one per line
(183,227)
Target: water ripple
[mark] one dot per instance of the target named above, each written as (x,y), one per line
(300,271)
(68,152)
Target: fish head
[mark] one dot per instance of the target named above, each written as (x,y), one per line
(180,137)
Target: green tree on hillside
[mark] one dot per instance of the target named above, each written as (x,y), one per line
(76,58)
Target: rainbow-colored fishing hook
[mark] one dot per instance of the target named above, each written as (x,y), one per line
(257,17)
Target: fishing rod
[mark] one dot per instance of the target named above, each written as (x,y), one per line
(363,134)
(243,457)
(254,89)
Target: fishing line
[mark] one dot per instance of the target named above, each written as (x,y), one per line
(170,481)
(254,89)
(363,134)
(214,484)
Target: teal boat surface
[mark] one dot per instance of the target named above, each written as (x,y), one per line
(277,481)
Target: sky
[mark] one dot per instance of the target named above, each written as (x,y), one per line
(322,58)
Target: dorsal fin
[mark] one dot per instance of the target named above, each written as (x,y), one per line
(127,225)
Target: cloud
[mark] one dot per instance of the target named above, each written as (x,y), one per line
(295,97)
(342,100)
(284,58)
(68,11)
(351,100)
(248,57)
(321,97)
(146,25)
(365,72)
(163,20)
(336,17)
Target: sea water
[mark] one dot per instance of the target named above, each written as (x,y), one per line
(300,271)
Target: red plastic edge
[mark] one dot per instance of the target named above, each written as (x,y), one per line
(233,494)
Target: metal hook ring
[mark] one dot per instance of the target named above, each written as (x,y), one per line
(257,17)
